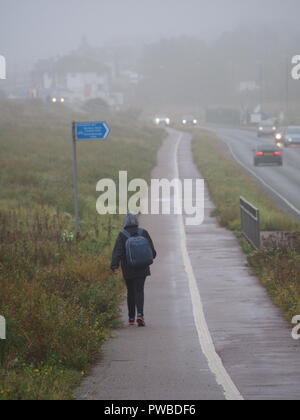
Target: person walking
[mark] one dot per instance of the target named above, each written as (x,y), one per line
(135,251)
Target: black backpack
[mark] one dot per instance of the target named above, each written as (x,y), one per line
(138,250)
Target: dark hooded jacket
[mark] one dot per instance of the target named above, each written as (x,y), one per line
(119,253)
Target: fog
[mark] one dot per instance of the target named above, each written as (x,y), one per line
(190,54)
(35,29)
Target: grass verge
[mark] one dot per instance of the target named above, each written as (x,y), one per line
(278,269)
(58,296)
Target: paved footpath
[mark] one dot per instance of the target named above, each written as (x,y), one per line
(212,332)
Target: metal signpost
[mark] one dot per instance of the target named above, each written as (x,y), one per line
(84,131)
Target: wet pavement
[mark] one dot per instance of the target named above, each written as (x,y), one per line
(212,331)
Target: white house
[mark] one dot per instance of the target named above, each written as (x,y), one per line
(77,86)
(75,78)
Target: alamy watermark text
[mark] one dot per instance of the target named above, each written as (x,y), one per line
(2,67)
(2,328)
(162,196)
(296,67)
(296,329)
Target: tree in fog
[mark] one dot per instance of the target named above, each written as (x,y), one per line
(190,71)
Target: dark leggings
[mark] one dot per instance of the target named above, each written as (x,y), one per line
(135,297)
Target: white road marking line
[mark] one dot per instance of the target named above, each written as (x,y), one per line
(286,201)
(206,343)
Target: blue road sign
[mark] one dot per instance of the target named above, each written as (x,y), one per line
(91,130)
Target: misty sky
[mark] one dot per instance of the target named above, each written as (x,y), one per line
(32,29)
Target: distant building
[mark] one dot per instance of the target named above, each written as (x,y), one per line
(74,78)
(88,73)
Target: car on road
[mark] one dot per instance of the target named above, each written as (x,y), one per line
(291,136)
(189,120)
(268,154)
(278,136)
(266,128)
(162,120)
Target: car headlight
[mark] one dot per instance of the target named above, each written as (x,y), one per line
(290,140)
(278,136)
(62,100)
(54,100)
(279,145)
(184,121)
(157,120)
(260,128)
(168,121)
(195,121)
(274,128)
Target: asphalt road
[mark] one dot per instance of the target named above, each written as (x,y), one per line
(283,183)
(212,331)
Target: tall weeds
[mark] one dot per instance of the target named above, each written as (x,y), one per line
(57,294)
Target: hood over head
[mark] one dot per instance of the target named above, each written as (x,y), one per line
(131,220)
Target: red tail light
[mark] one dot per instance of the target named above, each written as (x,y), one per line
(277,153)
(259,153)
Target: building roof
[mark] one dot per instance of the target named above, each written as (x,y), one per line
(78,64)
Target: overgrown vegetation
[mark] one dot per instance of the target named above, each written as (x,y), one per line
(279,270)
(57,294)
(278,267)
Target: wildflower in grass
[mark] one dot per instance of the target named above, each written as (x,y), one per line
(68,236)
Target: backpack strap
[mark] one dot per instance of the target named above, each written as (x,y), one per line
(126,233)
(128,236)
